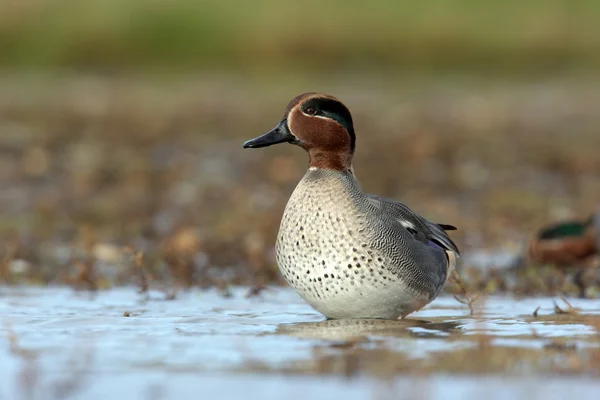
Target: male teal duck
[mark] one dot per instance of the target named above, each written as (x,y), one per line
(566,242)
(347,253)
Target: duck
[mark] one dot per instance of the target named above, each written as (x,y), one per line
(566,243)
(347,253)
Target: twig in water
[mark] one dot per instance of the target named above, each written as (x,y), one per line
(570,309)
(29,374)
(464,297)
(256,290)
(138,262)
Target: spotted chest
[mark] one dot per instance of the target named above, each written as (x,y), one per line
(323,247)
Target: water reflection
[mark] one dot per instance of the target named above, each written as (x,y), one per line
(117,334)
(347,329)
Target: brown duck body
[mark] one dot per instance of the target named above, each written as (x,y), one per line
(566,243)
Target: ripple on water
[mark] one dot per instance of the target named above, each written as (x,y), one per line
(202,337)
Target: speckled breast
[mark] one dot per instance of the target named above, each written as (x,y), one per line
(325,253)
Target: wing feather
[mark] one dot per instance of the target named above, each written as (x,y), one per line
(421,228)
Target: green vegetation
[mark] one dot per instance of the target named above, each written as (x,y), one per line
(268,35)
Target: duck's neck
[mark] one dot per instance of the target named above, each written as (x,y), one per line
(339,161)
(333,184)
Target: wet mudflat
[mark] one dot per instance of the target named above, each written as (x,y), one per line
(59,343)
(121,163)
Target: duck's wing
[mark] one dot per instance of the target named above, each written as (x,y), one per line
(422,229)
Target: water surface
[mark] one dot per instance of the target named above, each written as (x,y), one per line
(58,343)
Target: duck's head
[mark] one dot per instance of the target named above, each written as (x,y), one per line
(318,123)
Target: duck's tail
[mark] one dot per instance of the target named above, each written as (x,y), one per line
(451,257)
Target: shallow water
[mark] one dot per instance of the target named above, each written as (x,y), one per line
(57,343)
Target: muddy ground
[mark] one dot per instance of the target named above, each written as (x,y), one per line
(96,170)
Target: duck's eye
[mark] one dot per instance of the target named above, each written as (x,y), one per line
(310,110)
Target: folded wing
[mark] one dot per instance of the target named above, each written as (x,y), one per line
(423,230)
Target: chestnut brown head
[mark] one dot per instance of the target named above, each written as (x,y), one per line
(318,123)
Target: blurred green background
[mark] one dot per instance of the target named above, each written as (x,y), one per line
(121,124)
(537,36)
